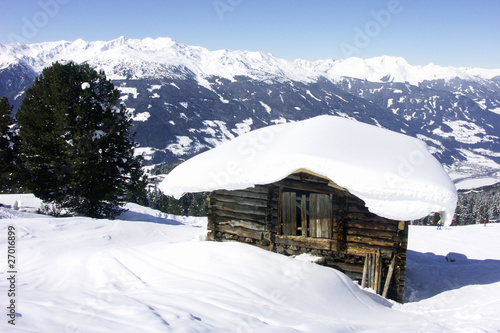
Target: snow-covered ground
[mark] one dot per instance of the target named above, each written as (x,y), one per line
(151,272)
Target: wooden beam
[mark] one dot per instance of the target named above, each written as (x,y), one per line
(370,241)
(280,211)
(359,249)
(345,267)
(329,214)
(260,218)
(307,242)
(242,193)
(370,270)
(370,217)
(304,186)
(303,210)
(257,189)
(310,176)
(244,201)
(245,224)
(233,207)
(387,235)
(314,214)
(366,224)
(389,277)
(365,273)
(289,213)
(377,269)
(242,232)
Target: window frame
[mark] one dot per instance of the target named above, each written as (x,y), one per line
(304,220)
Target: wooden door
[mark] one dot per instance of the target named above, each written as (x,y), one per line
(289,213)
(320,215)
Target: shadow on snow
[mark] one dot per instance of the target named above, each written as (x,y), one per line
(143,217)
(428,274)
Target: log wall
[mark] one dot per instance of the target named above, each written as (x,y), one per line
(255,216)
(243,215)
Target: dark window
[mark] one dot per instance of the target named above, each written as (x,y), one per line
(307,214)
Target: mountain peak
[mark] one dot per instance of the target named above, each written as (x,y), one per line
(164,52)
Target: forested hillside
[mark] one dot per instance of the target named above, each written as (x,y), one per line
(478,204)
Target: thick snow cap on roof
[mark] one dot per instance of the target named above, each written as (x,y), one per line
(394,174)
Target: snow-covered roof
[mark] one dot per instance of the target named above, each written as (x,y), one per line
(394,174)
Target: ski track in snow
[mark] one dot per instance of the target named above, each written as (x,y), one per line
(152,272)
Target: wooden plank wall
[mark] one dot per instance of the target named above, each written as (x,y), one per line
(242,215)
(356,233)
(253,216)
(288,202)
(321,214)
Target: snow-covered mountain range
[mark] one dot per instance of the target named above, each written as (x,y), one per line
(185,99)
(157,58)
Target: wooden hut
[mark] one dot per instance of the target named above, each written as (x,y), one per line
(331,187)
(307,213)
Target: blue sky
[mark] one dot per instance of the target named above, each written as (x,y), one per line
(455,33)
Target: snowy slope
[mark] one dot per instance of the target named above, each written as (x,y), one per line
(151,272)
(394,174)
(158,57)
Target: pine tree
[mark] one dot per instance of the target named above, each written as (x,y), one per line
(10,168)
(193,209)
(137,185)
(76,141)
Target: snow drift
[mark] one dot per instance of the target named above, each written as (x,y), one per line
(394,174)
(148,271)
